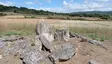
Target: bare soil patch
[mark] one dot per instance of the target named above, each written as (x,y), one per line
(86,52)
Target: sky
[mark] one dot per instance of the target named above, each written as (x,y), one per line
(62,5)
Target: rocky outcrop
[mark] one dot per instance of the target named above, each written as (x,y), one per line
(63,53)
(17,47)
(32,57)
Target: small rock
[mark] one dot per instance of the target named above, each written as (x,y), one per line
(84,39)
(77,35)
(0,56)
(92,62)
(71,35)
(95,42)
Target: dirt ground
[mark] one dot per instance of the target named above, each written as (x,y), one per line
(87,51)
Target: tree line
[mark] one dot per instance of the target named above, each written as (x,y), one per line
(23,10)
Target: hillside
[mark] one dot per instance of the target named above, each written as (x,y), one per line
(106,15)
(23,10)
(94,12)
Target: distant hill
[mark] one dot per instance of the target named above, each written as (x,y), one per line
(94,12)
(107,15)
(99,14)
(24,10)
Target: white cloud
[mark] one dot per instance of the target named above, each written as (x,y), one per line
(66,4)
(7,3)
(103,0)
(71,5)
(2,3)
(29,3)
(88,5)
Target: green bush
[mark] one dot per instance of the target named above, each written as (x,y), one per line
(1,14)
(29,17)
(33,17)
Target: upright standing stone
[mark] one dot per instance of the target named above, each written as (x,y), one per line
(62,34)
(43,27)
(66,34)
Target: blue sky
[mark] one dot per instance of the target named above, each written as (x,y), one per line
(62,5)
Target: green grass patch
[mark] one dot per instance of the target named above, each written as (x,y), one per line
(97,37)
(12,33)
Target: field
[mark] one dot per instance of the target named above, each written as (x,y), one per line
(99,30)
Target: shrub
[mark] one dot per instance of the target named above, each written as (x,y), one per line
(1,14)
(33,17)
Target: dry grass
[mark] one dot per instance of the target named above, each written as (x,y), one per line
(17,29)
(19,26)
(93,29)
(94,33)
(100,30)
(73,18)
